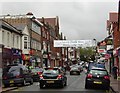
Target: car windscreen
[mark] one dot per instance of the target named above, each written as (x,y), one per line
(14,70)
(100,72)
(51,72)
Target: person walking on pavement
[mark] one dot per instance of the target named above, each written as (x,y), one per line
(114,70)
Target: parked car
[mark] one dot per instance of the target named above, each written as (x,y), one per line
(16,74)
(36,72)
(97,77)
(52,76)
(74,71)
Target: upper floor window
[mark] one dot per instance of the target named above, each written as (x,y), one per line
(36,28)
(25,38)
(13,40)
(25,45)
(8,38)
(3,35)
(17,41)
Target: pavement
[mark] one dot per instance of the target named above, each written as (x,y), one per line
(115,83)
(3,89)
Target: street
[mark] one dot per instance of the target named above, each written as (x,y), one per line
(75,83)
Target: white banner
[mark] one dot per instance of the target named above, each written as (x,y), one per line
(72,43)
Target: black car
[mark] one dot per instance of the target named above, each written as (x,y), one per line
(97,77)
(53,76)
(16,74)
(36,72)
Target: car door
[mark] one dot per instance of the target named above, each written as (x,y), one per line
(27,74)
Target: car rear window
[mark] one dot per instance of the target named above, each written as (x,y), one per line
(101,72)
(51,72)
(36,70)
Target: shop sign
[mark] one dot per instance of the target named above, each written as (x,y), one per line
(16,51)
(101,50)
(109,42)
(102,44)
(25,57)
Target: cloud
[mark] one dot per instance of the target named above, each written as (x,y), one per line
(78,20)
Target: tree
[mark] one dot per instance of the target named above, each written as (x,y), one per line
(87,53)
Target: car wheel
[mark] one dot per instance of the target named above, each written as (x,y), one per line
(41,86)
(31,82)
(6,85)
(24,82)
(62,85)
(70,73)
(107,87)
(66,83)
(86,86)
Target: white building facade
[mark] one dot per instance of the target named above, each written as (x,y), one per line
(10,39)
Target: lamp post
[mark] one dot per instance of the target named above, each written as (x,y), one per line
(95,47)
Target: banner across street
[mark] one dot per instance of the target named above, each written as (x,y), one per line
(72,43)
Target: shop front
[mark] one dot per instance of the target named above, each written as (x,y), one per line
(16,55)
(110,60)
(119,62)
(6,57)
(26,59)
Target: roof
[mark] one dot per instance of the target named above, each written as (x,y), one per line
(51,21)
(20,26)
(9,26)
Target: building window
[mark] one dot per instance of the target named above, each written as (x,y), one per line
(8,38)
(28,45)
(25,45)
(17,41)
(25,38)
(3,35)
(13,40)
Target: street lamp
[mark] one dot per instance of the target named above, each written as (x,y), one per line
(95,47)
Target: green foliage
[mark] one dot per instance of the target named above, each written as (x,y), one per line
(87,54)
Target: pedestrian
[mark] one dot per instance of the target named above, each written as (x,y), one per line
(114,70)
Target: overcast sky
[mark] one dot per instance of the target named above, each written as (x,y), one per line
(78,20)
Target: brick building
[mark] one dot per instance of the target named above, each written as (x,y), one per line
(31,39)
(113,31)
(38,35)
(50,32)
